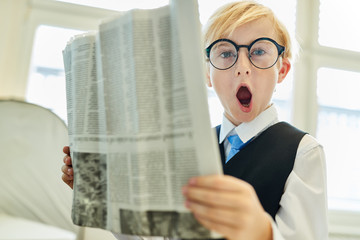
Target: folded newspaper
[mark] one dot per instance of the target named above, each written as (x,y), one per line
(138,121)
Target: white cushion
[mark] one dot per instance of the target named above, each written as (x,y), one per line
(31,143)
(12,228)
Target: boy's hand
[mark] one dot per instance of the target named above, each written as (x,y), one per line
(68,173)
(228,206)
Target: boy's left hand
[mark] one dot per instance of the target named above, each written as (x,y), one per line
(228,206)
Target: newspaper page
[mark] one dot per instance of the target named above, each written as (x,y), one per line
(150,128)
(85,130)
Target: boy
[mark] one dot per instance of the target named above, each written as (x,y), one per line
(274,185)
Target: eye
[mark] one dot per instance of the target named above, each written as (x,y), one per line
(228,54)
(258,52)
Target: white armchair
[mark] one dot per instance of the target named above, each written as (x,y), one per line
(34,202)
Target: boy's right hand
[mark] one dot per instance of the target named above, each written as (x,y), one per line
(67,169)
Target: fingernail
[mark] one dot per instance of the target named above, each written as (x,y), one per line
(192,181)
(184,190)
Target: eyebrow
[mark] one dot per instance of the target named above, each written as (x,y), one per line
(224,44)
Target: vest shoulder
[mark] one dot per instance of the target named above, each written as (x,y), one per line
(284,129)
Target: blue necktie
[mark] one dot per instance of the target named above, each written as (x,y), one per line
(236,143)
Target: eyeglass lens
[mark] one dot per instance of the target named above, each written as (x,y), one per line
(262,54)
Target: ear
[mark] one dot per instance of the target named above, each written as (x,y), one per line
(207,74)
(285,67)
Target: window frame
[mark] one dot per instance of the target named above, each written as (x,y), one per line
(314,56)
(63,15)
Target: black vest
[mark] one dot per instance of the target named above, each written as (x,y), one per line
(266,162)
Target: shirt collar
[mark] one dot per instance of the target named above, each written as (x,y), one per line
(248,130)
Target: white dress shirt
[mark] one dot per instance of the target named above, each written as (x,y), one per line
(303,206)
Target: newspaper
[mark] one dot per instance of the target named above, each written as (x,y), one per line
(138,121)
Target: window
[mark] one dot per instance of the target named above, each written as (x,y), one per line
(119,5)
(339,130)
(338,25)
(338,83)
(332,57)
(46,83)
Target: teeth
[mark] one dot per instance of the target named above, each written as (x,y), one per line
(246,105)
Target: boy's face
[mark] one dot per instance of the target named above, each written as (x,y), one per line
(244,90)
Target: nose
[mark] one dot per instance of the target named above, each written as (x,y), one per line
(243,64)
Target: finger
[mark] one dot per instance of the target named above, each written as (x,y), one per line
(219,182)
(219,215)
(225,230)
(68,180)
(214,198)
(66,150)
(67,160)
(67,177)
(67,170)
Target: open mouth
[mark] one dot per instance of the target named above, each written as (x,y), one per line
(244,96)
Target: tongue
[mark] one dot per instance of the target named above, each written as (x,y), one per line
(244,96)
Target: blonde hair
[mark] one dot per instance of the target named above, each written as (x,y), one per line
(231,16)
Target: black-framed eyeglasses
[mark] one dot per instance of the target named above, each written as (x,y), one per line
(263,53)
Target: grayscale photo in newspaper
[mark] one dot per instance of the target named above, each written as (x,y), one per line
(138,120)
